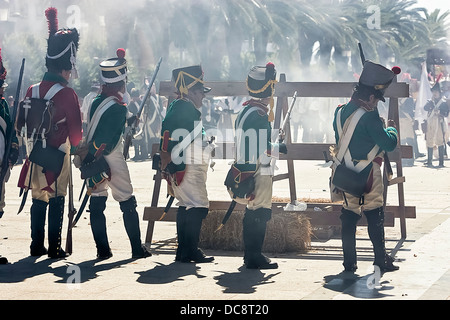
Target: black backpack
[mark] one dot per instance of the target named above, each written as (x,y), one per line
(35,115)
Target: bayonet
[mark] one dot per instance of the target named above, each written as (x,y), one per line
(287,118)
(129,136)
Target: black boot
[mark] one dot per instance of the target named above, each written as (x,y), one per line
(349,220)
(254,232)
(38,212)
(193,225)
(97,206)
(55,221)
(131,221)
(375,220)
(3,260)
(181,233)
(441,151)
(429,162)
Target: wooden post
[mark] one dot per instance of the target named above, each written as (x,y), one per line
(394,115)
(282,109)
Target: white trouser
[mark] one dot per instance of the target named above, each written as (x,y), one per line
(373,199)
(263,191)
(120,183)
(436,130)
(192,193)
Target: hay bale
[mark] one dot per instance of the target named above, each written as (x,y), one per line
(228,238)
(286,232)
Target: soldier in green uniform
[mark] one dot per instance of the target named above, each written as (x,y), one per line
(370,140)
(106,123)
(185,154)
(254,152)
(6,124)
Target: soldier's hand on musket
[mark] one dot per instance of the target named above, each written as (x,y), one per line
(391,123)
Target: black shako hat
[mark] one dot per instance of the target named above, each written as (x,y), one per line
(261,82)
(187,78)
(378,77)
(115,69)
(62,45)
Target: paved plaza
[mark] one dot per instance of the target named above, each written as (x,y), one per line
(423,257)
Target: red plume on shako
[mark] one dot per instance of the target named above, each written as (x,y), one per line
(396,70)
(115,69)
(52,20)
(120,53)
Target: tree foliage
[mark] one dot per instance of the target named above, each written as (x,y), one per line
(303,38)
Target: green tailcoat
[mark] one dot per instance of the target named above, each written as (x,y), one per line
(368,132)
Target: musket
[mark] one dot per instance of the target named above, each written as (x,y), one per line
(71,214)
(12,131)
(287,118)
(280,139)
(387,162)
(361,53)
(129,136)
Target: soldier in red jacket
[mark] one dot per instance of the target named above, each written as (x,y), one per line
(49,188)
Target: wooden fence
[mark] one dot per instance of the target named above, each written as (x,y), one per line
(299,151)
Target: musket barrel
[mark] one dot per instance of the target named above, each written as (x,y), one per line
(129,135)
(288,115)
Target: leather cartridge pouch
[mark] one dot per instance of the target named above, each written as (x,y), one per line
(49,158)
(95,167)
(349,181)
(240,183)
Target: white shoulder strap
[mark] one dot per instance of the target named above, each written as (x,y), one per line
(50,93)
(101,109)
(344,140)
(344,152)
(187,140)
(53,91)
(35,91)
(239,132)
